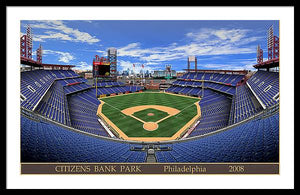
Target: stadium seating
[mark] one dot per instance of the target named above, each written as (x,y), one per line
(54,105)
(76,88)
(45,142)
(265,85)
(83,113)
(34,84)
(110,83)
(254,141)
(50,93)
(231,79)
(244,104)
(215,110)
(65,97)
(224,83)
(66,82)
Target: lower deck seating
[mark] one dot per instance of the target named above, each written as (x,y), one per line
(110,83)
(194,87)
(45,142)
(83,113)
(116,90)
(193,91)
(254,141)
(215,110)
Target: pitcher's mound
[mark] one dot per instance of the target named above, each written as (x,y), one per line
(150,126)
(150,114)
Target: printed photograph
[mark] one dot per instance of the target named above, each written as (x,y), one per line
(141,94)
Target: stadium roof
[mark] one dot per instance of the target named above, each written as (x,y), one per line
(31,62)
(268,64)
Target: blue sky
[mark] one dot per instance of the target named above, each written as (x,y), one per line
(223,44)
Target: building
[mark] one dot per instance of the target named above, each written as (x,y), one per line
(163,73)
(88,75)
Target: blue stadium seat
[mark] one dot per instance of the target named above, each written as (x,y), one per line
(46,142)
(249,142)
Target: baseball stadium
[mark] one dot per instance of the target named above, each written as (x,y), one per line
(203,115)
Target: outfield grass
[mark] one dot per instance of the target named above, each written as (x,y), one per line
(134,128)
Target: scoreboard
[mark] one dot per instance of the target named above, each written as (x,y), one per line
(101,67)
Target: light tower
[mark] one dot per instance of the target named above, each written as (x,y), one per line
(112,58)
(26,44)
(39,53)
(273,44)
(270,42)
(29,42)
(276,47)
(259,55)
(192,59)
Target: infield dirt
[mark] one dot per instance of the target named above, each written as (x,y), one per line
(180,119)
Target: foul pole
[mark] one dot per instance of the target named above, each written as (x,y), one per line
(96,88)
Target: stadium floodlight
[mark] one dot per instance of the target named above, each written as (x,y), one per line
(270,37)
(112,51)
(29,41)
(270,42)
(192,58)
(39,53)
(259,54)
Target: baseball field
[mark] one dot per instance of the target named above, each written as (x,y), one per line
(152,116)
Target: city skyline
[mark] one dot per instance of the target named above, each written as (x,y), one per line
(227,44)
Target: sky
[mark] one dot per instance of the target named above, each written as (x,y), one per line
(217,44)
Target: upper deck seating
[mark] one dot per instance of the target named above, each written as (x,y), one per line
(265,85)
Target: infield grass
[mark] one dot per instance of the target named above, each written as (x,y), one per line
(157,115)
(134,128)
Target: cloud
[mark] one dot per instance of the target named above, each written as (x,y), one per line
(83,66)
(134,50)
(65,57)
(203,42)
(52,35)
(60,31)
(225,67)
(208,41)
(148,55)
(236,64)
(209,34)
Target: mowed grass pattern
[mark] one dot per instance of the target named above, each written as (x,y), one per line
(134,128)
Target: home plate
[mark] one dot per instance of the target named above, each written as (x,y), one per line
(150,126)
